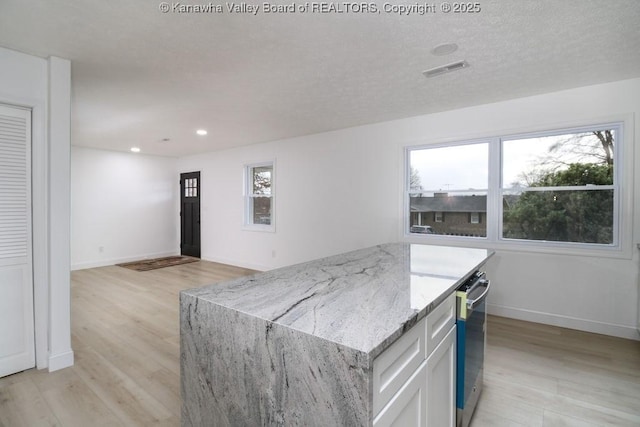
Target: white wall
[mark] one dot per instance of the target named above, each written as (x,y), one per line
(123,207)
(342,190)
(334,192)
(44,86)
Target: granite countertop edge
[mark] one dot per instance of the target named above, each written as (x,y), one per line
(371,352)
(387,342)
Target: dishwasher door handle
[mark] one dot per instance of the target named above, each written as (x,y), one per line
(473,303)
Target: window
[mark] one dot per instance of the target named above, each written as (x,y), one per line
(191,187)
(560,187)
(548,188)
(446,184)
(259,196)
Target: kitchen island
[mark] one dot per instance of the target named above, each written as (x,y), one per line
(316,343)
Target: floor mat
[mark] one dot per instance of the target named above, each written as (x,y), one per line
(152,264)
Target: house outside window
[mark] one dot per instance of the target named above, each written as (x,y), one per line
(447,196)
(259,196)
(546,188)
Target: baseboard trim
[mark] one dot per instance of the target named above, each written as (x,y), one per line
(603,328)
(236,263)
(60,361)
(113,261)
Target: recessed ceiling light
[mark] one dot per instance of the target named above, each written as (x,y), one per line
(444,49)
(135,149)
(201,132)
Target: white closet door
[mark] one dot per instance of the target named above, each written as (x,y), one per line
(17,347)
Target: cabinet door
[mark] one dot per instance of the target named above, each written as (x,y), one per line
(439,322)
(441,383)
(407,407)
(393,368)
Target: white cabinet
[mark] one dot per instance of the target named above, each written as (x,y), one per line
(406,395)
(439,322)
(407,408)
(441,383)
(393,368)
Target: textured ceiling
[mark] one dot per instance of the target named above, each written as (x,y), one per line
(139,75)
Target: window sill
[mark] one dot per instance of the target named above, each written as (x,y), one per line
(261,228)
(523,247)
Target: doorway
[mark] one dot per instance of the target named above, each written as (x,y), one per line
(190,214)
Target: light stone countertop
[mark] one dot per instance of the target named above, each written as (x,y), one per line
(363,299)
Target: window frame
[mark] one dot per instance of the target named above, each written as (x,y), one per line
(616,186)
(249,196)
(440,238)
(622,188)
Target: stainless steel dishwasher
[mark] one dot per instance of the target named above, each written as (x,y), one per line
(471,341)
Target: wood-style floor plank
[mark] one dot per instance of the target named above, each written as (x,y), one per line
(571,378)
(72,400)
(125,335)
(22,404)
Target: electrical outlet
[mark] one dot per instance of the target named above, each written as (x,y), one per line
(101,249)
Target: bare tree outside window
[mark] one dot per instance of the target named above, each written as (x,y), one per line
(262,180)
(259,195)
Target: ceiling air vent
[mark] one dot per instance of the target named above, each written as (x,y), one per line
(446,69)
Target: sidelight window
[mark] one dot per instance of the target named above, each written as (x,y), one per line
(259,196)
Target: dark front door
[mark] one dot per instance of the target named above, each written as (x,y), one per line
(190,214)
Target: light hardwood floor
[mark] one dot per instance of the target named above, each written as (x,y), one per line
(538,375)
(125,335)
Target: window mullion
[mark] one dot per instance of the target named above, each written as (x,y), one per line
(494,195)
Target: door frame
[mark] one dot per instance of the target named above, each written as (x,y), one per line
(183,176)
(28,268)
(39,226)
(39,223)
(50,165)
